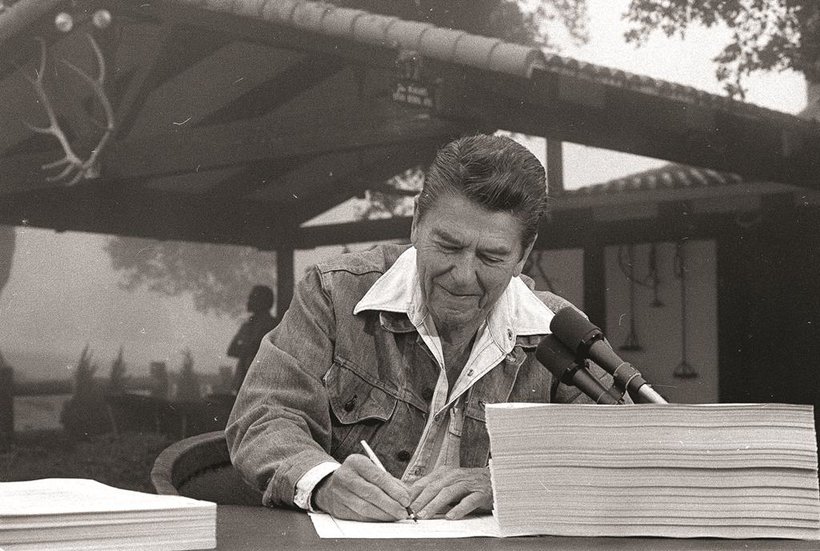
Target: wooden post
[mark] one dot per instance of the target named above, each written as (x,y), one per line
(284,279)
(595,284)
(6,407)
(555,166)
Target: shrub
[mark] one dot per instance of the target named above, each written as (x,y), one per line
(85,414)
(188,382)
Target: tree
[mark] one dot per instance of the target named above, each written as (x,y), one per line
(85,414)
(218,277)
(117,376)
(188,381)
(525,22)
(767,35)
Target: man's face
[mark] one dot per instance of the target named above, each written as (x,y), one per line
(466,256)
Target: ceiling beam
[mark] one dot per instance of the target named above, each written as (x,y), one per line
(242,143)
(216,81)
(381,229)
(256,141)
(301,75)
(134,212)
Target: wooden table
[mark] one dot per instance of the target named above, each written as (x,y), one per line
(251,528)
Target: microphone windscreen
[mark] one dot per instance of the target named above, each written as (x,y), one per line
(573,328)
(555,357)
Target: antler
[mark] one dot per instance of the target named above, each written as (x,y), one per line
(72,162)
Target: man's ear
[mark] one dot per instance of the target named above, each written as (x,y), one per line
(520,266)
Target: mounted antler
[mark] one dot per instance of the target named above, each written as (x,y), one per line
(75,168)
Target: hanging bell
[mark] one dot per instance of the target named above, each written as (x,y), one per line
(685,371)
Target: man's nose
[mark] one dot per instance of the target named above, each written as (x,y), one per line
(464,272)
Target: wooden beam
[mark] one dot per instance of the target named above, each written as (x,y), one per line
(242,143)
(152,47)
(218,80)
(758,147)
(247,142)
(126,210)
(364,231)
(282,87)
(332,179)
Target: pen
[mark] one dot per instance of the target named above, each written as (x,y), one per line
(378,463)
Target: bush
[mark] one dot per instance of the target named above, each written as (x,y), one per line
(85,414)
(123,461)
(188,382)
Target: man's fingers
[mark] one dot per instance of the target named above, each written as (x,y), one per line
(356,509)
(464,490)
(370,491)
(466,506)
(377,498)
(390,485)
(441,501)
(427,494)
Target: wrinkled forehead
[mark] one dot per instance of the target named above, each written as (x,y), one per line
(463,221)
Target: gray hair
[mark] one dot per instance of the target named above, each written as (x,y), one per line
(495,172)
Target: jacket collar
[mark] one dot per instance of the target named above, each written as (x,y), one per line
(397,296)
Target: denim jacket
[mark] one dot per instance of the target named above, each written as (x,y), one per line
(325,379)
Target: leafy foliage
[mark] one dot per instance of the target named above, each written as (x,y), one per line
(523,22)
(160,383)
(188,382)
(85,414)
(123,460)
(218,277)
(766,34)
(117,377)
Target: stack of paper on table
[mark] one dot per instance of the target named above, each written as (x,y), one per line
(66,513)
(675,470)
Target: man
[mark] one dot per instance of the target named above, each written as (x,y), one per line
(402,347)
(245,343)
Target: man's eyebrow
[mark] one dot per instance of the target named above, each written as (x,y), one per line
(446,236)
(500,250)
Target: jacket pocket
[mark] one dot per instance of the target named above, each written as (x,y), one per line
(359,408)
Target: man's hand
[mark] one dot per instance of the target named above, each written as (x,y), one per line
(359,490)
(465,490)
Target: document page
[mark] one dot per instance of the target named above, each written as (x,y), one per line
(474,526)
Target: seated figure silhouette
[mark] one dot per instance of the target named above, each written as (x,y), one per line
(246,341)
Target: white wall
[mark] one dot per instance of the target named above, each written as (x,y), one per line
(658,329)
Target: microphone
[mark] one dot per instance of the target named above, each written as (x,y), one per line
(581,336)
(561,363)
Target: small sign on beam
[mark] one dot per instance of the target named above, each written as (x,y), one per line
(413,93)
(411,85)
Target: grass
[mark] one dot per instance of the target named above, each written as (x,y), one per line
(123,461)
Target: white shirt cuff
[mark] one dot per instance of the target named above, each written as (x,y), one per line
(306,484)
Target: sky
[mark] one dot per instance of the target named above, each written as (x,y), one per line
(63,292)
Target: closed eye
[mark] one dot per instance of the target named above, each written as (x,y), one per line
(491,259)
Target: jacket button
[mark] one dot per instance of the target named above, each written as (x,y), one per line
(427,394)
(403,455)
(350,404)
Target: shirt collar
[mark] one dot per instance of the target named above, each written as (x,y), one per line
(518,312)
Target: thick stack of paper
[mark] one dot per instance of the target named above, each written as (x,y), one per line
(66,513)
(718,470)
